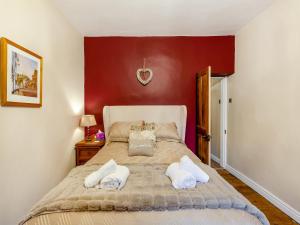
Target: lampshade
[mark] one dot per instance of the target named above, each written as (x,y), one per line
(88,121)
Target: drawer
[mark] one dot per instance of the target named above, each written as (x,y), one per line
(87,154)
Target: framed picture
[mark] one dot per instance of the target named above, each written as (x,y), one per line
(20,76)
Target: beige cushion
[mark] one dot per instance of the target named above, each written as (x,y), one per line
(149,126)
(141,143)
(119,131)
(136,128)
(166,132)
(141,148)
(142,135)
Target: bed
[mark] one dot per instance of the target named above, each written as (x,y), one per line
(148,197)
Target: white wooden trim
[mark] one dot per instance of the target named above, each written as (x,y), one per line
(209,113)
(215,158)
(223,120)
(283,206)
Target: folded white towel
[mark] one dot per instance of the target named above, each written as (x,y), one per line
(188,165)
(94,178)
(115,180)
(181,179)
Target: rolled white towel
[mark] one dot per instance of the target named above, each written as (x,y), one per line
(181,179)
(93,179)
(188,165)
(115,180)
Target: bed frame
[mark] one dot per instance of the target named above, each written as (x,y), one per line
(148,113)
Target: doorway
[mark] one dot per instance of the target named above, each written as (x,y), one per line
(219,121)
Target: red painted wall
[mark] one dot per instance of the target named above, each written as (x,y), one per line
(111,64)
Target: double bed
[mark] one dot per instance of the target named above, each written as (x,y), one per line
(148,197)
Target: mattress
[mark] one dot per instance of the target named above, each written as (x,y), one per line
(165,153)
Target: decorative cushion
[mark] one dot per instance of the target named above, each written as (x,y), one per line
(142,135)
(119,131)
(167,132)
(140,148)
(149,126)
(141,143)
(136,127)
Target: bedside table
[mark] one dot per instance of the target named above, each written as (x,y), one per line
(85,150)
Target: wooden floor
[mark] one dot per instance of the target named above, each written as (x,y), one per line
(275,216)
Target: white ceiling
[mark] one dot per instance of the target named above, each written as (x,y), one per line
(160,17)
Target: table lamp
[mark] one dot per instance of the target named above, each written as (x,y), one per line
(88,121)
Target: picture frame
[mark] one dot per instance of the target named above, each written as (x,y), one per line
(21,75)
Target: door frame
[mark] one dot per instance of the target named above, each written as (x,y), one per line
(224,122)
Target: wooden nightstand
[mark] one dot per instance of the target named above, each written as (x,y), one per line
(85,150)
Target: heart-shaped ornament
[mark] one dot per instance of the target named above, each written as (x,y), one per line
(144,76)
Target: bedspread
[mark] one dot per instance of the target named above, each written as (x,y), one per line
(147,188)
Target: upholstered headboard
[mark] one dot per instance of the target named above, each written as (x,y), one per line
(148,113)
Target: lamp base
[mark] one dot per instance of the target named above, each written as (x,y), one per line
(88,139)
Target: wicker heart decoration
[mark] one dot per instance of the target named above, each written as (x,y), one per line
(144,76)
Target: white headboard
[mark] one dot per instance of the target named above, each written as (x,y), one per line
(148,113)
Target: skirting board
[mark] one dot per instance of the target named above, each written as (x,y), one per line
(283,206)
(215,158)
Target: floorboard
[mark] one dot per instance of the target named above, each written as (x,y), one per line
(275,216)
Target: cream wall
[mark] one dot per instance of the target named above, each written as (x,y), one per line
(264,124)
(36,145)
(215,116)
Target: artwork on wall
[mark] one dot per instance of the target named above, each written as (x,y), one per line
(21,76)
(144,75)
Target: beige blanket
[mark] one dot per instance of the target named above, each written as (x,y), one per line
(147,187)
